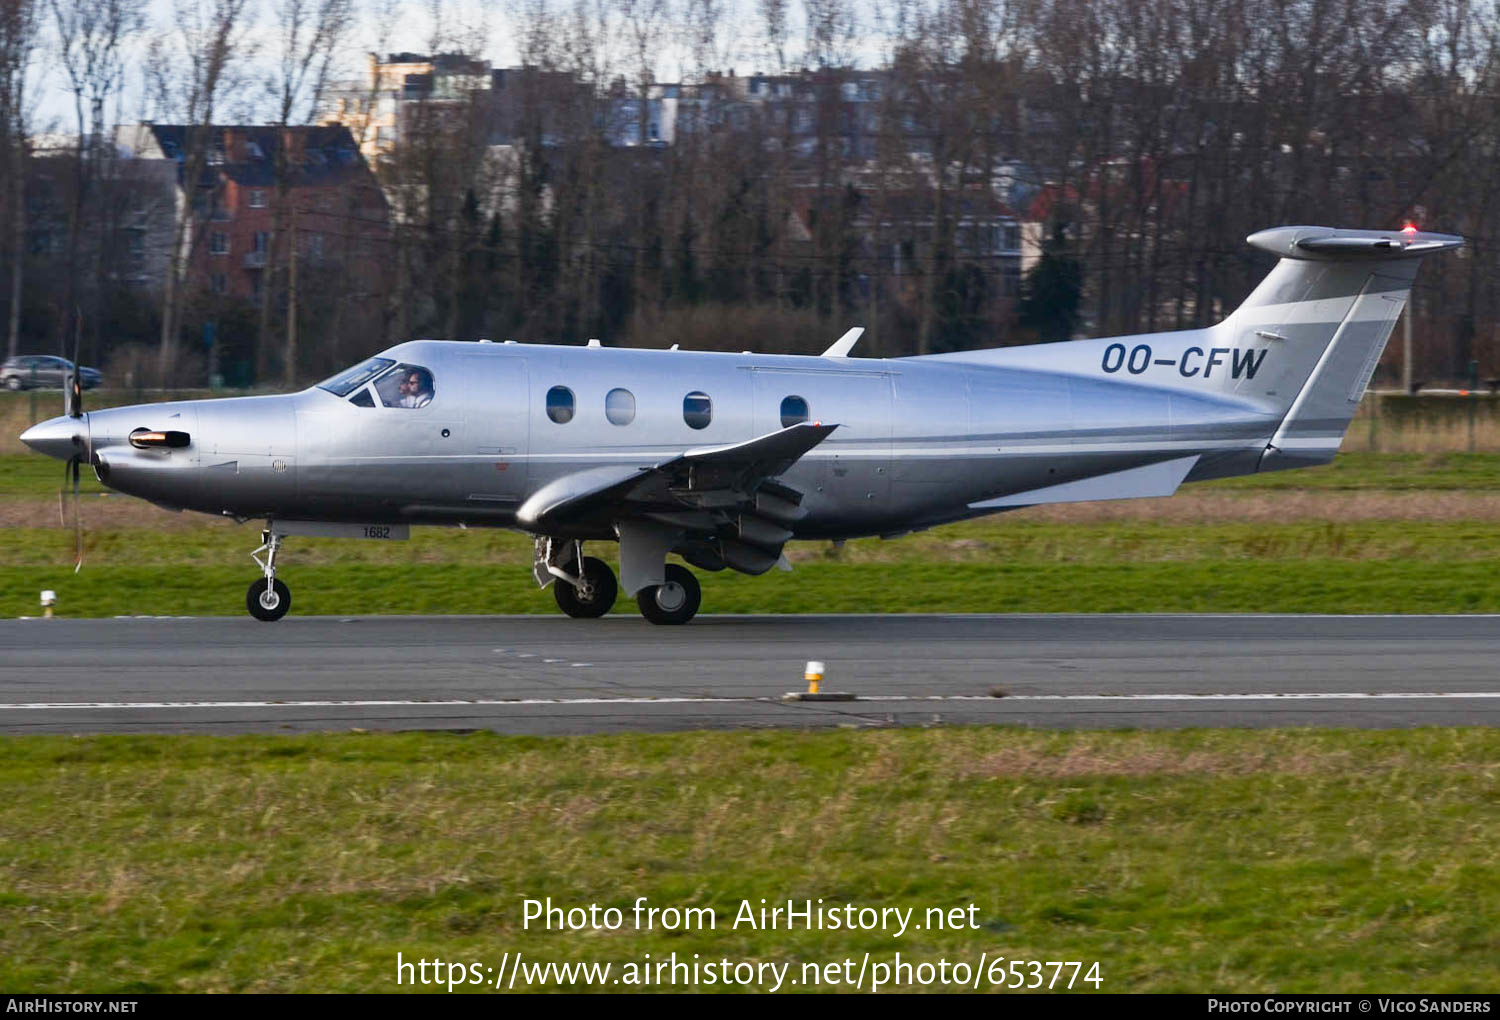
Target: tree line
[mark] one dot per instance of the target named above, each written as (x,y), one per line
(1136,142)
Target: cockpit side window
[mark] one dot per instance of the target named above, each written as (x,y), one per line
(351,379)
(362,398)
(408,386)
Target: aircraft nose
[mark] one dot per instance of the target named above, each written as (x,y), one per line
(59,437)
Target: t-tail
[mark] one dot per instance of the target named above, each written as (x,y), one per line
(1283,374)
(1326,310)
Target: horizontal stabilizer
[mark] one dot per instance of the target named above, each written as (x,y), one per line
(1329,243)
(1161,479)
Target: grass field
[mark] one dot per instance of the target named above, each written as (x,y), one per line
(1243,861)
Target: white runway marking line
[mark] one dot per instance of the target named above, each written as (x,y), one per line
(884,698)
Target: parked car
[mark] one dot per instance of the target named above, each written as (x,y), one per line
(43,371)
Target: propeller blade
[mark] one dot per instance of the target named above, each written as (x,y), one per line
(71,469)
(75,384)
(77,520)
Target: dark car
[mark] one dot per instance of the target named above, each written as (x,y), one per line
(43,371)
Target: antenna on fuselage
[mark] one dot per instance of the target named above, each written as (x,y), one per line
(844,344)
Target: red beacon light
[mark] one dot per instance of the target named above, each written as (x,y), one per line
(1409,229)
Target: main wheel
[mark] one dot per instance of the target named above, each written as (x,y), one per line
(675,601)
(268,606)
(594,596)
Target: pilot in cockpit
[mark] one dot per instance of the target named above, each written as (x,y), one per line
(415,388)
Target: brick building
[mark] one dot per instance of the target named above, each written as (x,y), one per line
(335,213)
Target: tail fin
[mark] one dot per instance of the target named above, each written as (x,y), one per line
(1330,305)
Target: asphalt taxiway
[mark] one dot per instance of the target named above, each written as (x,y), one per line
(543,674)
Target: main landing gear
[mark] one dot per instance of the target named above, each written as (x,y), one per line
(268,599)
(592,593)
(675,601)
(589,591)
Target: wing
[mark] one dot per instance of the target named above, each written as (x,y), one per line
(717,506)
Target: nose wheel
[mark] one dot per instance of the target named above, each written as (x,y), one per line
(674,601)
(268,602)
(268,599)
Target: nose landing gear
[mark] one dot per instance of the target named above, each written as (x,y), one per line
(268,599)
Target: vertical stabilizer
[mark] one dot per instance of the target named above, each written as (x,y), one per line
(1330,304)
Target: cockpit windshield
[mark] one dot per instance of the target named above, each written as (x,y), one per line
(351,379)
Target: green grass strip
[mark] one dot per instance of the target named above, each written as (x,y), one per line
(1283,586)
(1317,861)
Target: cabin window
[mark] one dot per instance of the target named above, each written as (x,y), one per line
(560,404)
(793,411)
(697,410)
(407,386)
(619,406)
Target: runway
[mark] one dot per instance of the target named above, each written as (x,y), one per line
(553,675)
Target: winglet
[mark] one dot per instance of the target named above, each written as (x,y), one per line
(844,344)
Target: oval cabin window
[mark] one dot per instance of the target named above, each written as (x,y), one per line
(697,410)
(619,407)
(560,404)
(793,411)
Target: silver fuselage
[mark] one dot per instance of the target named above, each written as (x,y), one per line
(919,439)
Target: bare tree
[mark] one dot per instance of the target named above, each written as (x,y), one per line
(776,35)
(774,30)
(308,35)
(194,65)
(18,26)
(91,37)
(645,21)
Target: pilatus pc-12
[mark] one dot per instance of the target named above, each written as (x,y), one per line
(722,459)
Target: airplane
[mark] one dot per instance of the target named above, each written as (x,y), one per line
(721,459)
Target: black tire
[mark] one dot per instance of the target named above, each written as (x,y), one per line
(14,383)
(674,602)
(598,597)
(256,599)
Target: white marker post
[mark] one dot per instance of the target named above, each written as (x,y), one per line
(49,598)
(814,677)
